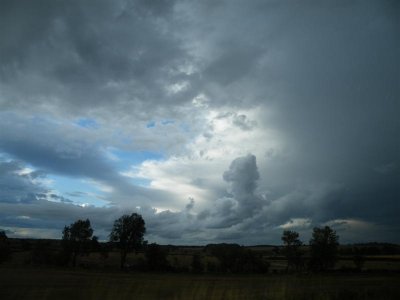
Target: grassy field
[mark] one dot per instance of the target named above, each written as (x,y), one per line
(33,283)
(97,277)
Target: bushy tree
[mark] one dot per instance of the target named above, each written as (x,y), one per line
(94,244)
(76,239)
(128,232)
(324,248)
(5,249)
(291,249)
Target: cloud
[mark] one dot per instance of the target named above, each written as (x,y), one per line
(51,217)
(310,90)
(242,175)
(19,187)
(68,151)
(72,51)
(296,223)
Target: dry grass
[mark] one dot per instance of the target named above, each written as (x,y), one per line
(30,283)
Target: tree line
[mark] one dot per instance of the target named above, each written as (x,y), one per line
(324,246)
(127,235)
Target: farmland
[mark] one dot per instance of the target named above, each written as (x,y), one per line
(99,277)
(51,283)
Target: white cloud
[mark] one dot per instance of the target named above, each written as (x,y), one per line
(198,171)
(349,224)
(29,232)
(296,223)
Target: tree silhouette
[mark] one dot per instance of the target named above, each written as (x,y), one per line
(128,233)
(94,244)
(324,248)
(291,249)
(5,249)
(77,238)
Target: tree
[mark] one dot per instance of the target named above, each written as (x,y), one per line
(291,249)
(128,233)
(77,238)
(94,244)
(324,248)
(5,249)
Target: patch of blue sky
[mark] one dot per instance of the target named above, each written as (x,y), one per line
(87,123)
(167,122)
(185,127)
(129,158)
(143,182)
(151,124)
(5,156)
(125,160)
(77,190)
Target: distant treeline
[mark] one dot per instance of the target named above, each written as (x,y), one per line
(373,248)
(78,242)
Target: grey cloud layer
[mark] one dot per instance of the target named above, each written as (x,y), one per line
(325,74)
(88,55)
(15,188)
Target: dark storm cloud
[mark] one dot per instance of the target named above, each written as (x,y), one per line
(242,175)
(243,202)
(24,201)
(46,145)
(79,55)
(331,77)
(248,213)
(48,215)
(16,187)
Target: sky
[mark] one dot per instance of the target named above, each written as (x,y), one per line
(217,121)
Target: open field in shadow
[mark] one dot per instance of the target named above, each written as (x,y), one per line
(46,283)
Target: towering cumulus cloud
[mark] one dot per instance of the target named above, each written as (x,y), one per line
(242,176)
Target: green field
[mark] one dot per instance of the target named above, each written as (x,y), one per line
(32,283)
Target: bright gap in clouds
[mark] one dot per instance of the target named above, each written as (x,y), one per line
(79,191)
(83,192)
(87,123)
(124,158)
(127,161)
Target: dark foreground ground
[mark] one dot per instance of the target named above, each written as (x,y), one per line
(31,283)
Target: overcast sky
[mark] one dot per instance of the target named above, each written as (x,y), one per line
(218,121)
